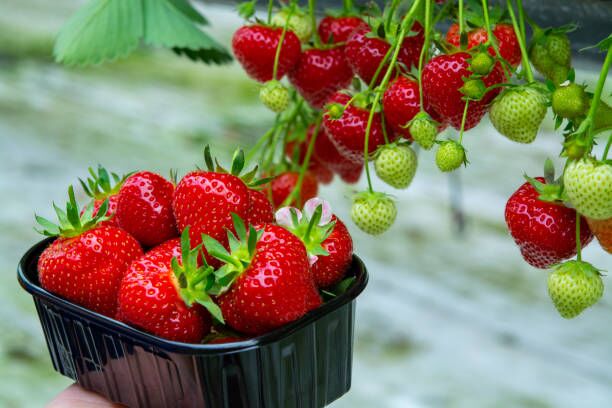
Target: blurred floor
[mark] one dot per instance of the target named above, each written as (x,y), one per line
(447,321)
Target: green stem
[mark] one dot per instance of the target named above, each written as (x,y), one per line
(380,68)
(280,44)
(384,127)
(258,145)
(390,15)
(270,7)
(298,186)
(425,49)
(598,91)
(491,39)
(578,243)
(607,149)
(463,118)
(396,48)
(521,40)
(348,6)
(313,20)
(521,12)
(461,21)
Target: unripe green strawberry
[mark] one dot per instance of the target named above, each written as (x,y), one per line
(274,95)
(570,101)
(558,74)
(517,113)
(373,213)
(450,156)
(603,117)
(559,48)
(481,63)
(474,89)
(538,55)
(424,131)
(299,23)
(588,185)
(396,165)
(574,286)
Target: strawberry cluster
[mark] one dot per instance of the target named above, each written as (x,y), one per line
(368,86)
(201,259)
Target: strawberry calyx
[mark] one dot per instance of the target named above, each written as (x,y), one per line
(312,226)
(250,178)
(71,222)
(102,184)
(193,281)
(242,247)
(551,190)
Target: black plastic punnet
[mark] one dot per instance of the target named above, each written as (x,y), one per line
(305,364)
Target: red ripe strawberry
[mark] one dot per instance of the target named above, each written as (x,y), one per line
(364,54)
(329,270)
(151,296)
(260,209)
(313,299)
(281,187)
(144,208)
(442,80)
(507,42)
(101,186)
(225,340)
(319,73)
(86,263)
(297,151)
(327,241)
(271,286)
(334,30)
(544,232)
(255,48)
(348,132)
(327,153)
(401,102)
(205,200)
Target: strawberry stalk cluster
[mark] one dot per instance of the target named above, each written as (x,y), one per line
(363,87)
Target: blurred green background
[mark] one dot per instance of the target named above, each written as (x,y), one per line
(449,320)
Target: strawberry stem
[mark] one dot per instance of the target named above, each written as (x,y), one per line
(463,118)
(313,20)
(280,42)
(597,94)
(295,193)
(425,49)
(270,6)
(461,25)
(521,40)
(491,39)
(347,6)
(605,153)
(408,18)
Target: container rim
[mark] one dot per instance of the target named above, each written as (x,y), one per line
(27,275)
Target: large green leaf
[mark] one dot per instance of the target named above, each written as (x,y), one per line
(187,9)
(101,30)
(104,30)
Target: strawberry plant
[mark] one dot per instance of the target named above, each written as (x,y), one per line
(363,88)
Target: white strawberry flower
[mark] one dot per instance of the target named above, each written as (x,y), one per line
(311,205)
(284,218)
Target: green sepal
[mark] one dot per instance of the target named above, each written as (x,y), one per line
(194,281)
(71,222)
(246,9)
(101,183)
(237,260)
(552,193)
(310,232)
(238,162)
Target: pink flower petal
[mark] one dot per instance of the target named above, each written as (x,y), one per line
(283,216)
(311,205)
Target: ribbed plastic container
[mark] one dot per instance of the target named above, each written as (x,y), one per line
(305,364)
